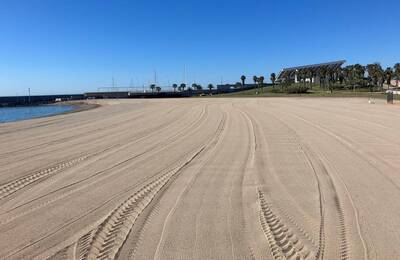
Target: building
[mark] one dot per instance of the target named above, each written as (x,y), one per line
(395,83)
(309,73)
(223,88)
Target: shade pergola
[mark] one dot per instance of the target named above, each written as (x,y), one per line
(315,69)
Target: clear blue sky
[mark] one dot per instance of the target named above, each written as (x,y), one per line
(76,46)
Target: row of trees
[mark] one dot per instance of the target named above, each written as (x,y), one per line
(182,87)
(357,75)
(258,80)
(376,75)
(352,75)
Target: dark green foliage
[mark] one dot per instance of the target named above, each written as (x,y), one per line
(297,89)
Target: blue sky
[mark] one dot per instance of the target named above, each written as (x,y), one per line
(68,46)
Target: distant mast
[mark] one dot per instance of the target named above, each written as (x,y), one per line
(184,74)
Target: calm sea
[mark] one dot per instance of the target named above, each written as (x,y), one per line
(10,114)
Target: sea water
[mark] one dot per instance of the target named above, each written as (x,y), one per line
(10,114)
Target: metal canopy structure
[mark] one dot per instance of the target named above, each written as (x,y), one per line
(310,71)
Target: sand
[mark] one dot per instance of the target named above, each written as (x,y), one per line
(268,178)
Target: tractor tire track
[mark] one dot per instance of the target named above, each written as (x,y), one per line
(284,244)
(327,191)
(105,173)
(210,149)
(353,147)
(254,126)
(14,186)
(85,134)
(341,213)
(11,187)
(75,127)
(109,237)
(112,233)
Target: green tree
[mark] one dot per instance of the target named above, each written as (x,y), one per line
(358,75)
(397,72)
(152,87)
(331,79)
(243,79)
(372,75)
(183,86)
(302,74)
(380,75)
(210,87)
(174,86)
(341,76)
(255,79)
(388,75)
(273,79)
(310,75)
(322,77)
(347,74)
(261,83)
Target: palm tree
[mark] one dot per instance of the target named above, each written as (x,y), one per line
(346,71)
(273,79)
(199,87)
(358,75)
(210,87)
(152,87)
(388,76)
(261,83)
(331,79)
(310,75)
(397,72)
(195,86)
(243,79)
(158,89)
(360,71)
(338,75)
(174,86)
(372,74)
(183,86)
(322,78)
(255,79)
(380,73)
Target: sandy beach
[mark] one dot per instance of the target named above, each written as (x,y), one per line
(202,178)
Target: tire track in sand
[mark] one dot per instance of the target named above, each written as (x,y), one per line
(113,232)
(350,146)
(108,238)
(284,244)
(327,191)
(296,227)
(221,130)
(156,147)
(11,187)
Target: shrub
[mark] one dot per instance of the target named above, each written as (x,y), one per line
(276,90)
(297,89)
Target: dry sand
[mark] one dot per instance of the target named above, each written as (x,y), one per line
(269,178)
